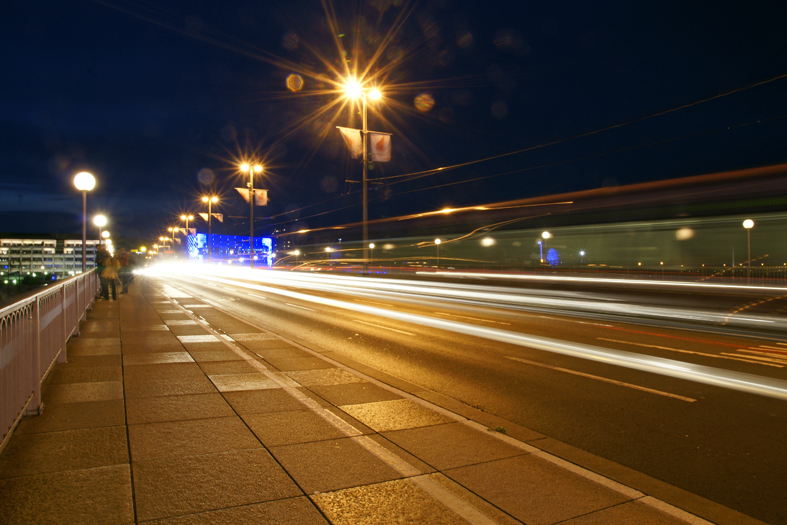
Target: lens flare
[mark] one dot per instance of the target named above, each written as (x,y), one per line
(424,102)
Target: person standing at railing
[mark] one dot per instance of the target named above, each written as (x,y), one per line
(101,258)
(110,274)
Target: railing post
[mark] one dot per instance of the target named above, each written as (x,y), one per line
(61,357)
(34,407)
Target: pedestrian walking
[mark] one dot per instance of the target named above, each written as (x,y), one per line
(125,271)
(110,275)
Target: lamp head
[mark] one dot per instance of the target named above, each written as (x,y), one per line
(245,167)
(257,168)
(100,220)
(353,88)
(748,224)
(84,181)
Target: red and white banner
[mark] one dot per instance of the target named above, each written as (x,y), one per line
(381,146)
(260,196)
(352,137)
(219,216)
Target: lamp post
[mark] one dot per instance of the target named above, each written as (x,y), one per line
(355,90)
(371,247)
(187,218)
(257,168)
(748,224)
(100,221)
(84,182)
(545,236)
(437,244)
(210,200)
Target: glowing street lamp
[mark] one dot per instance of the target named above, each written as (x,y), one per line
(437,244)
(371,247)
(749,224)
(354,89)
(105,236)
(100,221)
(545,236)
(251,170)
(187,218)
(84,182)
(210,199)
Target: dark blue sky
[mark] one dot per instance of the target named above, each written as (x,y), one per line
(149,97)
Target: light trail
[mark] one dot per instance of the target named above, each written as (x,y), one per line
(739,381)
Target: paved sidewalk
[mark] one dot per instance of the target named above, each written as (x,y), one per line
(171,411)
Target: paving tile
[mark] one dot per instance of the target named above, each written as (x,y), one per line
(395,415)
(71,416)
(286,428)
(535,491)
(324,377)
(189,438)
(278,353)
(299,363)
(267,344)
(172,345)
(86,347)
(168,387)
(176,408)
(157,358)
(211,352)
(631,513)
(94,360)
(398,501)
(452,445)
(262,401)
(190,330)
(322,466)
(354,393)
(256,336)
(212,368)
(45,452)
(203,338)
(60,497)
(292,511)
(80,392)
(180,322)
(151,326)
(64,373)
(186,485)
(233,382)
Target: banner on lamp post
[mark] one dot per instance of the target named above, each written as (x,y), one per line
(352,138)
(381,146)
(260,196)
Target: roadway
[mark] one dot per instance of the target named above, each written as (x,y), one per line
(725,444)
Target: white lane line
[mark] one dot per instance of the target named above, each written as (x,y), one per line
(373,302)
(594,324)
(258,296)
(383,327)
(572,321)
(619,383)
(764,348)
(472,318)
(740,358)
(228,288)
(301,307)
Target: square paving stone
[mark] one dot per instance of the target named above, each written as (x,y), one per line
(255,336)
(157,358)
(194,330)
(398,501)
(324,377)
(189,438)
(186,485)
(80,392)
(94,360)
(180,322)
(354,393)
(395,415)
(154,372)
(322,466)
(256,345)
(534,490)
(179,386)
(286,428)
(61,497)
(201,338)
(151,326)
(71,416)
(64,373)
(211,352)
(84,347)
(452,445)
(171,346)
(176,408)
(31,454)
(291,511)
(234,382)
(262,401)
(213,368)
(299,363)
(632,513)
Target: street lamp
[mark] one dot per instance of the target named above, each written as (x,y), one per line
(84,182)
(545,236)
(187,218)
(749,224)
(105,235)
(437,244)
(251,170)
(354,90)
(210,200)
(371,247)
(100,221)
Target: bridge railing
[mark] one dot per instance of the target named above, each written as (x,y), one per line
(34,332)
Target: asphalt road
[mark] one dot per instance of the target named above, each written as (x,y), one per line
(726,445)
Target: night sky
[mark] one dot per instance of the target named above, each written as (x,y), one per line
(160,100)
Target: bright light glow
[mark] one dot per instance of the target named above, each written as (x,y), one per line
(582,253)
(296,252)
(487,241)
(353,88)
(371,245)
(84,181)
(375,94)
(546,235)
(143,248)
(105,234)
(437,241)
(447,210)
(100,220)
(244,167)
(257,168)
(328,249)
(748,223)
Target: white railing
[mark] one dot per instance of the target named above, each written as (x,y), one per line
(34,332)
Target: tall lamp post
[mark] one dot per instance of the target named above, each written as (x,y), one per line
(100,221)
(210,200)
(84,182)
(355,90)
(437,244)
(545,236)
(371,247)
(251,171)
(748,224)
